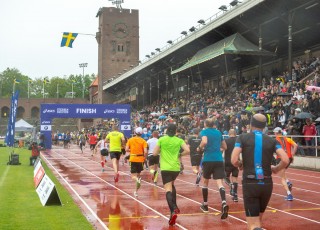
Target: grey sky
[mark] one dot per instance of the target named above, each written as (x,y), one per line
(31,31)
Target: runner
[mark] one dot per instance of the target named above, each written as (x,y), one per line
(169,149)
(193,142)
(137,147)
(93,142)
(229,168)
(212,143)
(82,141)
(290,147)
(116,139)
(104,150)
(153,160)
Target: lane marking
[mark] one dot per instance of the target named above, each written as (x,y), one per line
(77,194)
(160,214)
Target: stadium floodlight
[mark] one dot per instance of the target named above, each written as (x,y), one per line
(192,29)
(234,3)
(223,8)
(157,49)
(184,33)
(148,56)
(152,53)
(202,22)
(170,42)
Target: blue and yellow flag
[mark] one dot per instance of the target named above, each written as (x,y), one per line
(16,81)
(67,39)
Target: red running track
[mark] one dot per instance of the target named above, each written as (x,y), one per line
(110,205)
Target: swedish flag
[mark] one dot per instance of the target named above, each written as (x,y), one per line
(67,39)
(15,81)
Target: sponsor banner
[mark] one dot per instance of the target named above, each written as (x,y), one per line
(45,189)
(45,128)
(38,175)
(85,110)
(125,127)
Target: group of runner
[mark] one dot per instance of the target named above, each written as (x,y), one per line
(206,148)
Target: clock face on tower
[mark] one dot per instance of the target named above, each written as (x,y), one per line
(120,30)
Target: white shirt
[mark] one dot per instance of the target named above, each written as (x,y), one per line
(104,145)
(151,144)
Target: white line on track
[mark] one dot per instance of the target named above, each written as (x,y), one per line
(100,221)
(77,194)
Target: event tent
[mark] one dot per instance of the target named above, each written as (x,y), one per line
(23,126)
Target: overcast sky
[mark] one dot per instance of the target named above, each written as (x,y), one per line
(31,31)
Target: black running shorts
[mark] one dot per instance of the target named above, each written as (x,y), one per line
(256,196)
(104,152)
(216,169)
(136,167)
(231,170)
(115,155)
(169,176)
(290,161)
(153,160)
(195,160)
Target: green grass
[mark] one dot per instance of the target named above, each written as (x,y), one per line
(20,206)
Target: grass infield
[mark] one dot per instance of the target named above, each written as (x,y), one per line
(20,206)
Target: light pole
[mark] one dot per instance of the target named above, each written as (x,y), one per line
(83,65)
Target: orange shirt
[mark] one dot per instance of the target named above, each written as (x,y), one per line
(286,144)
(137,145)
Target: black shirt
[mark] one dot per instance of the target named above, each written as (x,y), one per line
(247,142)
(194,142)
(227,154)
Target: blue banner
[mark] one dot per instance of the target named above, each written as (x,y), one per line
(12,120)
(50,111)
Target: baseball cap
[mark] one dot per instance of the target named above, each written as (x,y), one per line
(298,109)
(277,130)
(139,130)
(145,130)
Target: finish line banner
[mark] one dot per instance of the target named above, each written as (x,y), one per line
(50,111)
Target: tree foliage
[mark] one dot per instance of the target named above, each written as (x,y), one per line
(39,87)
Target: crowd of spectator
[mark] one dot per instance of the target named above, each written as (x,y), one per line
(281,98)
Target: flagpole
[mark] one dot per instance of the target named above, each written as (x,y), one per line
(57,90)
(28,88)
(14,86)
(43,88)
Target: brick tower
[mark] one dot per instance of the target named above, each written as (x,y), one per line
(118,45)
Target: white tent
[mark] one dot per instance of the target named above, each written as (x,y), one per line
(24,126)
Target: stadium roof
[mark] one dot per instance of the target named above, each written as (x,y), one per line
(232,45)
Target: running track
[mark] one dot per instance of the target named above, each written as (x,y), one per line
(109,205)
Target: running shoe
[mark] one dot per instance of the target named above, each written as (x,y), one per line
(116,178)
(235,197)
(102,170)
(204,208)
(224,210)
(199,175)
(173,217)
(227,181)
(172,220)
(155,176)
(138,183)
(135,193)
(289,197)
(289,185)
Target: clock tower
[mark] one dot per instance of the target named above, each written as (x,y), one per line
(118,46)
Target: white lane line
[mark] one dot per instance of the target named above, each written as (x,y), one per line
(77,194)
(269,206)
(160,214)
(4,175)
